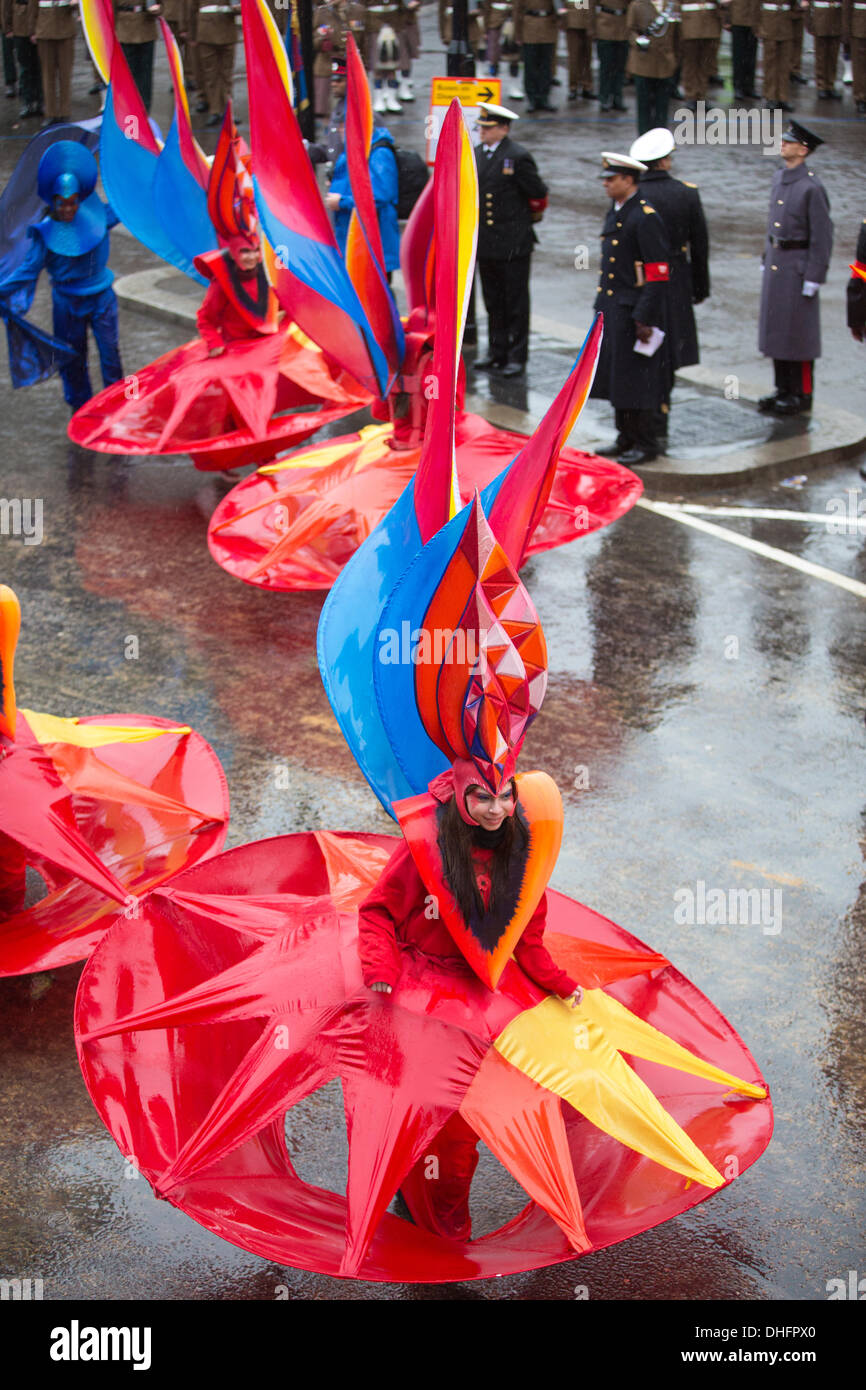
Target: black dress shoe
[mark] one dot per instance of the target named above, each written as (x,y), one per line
(606,105)
(800,80)
(96,88)
(833,95)
(766,403)
(861,108)
(619,106)
(201,105)
(545,106)
(785,106)
(555,82)
(572,94)
(11,93)
(214,120)
(486,364)
(25,112)
(588,95)
(635,456)
(788,405)
(511,369)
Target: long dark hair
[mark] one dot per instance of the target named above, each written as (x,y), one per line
(456,840)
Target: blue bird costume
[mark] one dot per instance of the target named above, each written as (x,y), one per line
(75,254)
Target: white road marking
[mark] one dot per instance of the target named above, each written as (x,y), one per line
(769,552)
(771,514)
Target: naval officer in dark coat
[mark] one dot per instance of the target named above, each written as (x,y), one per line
(679,206)
(633,292)
(796,258)
(512,196)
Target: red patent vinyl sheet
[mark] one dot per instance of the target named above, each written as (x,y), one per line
(296,528)
(261,396)
(102,826)
(238,992)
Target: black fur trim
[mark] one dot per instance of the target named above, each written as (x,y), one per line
(488,928)
(258,306)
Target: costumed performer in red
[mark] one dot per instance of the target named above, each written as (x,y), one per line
(483,839)
(240,303)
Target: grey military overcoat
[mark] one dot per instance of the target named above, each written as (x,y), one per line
(790,328)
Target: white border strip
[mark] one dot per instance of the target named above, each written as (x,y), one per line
(769,552)
(771,514)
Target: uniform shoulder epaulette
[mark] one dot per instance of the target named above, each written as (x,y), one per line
(689,185)
(647,209)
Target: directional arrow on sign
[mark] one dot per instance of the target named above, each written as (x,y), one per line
(484,94)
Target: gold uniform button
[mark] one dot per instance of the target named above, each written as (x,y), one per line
(619,224)
(774,267)
(614,242)
(610,275)
(781,202)
(777,224)
(610,291)
(611,259)
(490,224)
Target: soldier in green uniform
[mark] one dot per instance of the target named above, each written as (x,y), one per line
(579,21)
(18,25)
(536,27)
(700,29)
(382,25)
(652,61)
(742,18)
(331,24)
(777,43)
(825,26)
(854,33)
(136,29)
(54,32)
(214,31)
(611,39)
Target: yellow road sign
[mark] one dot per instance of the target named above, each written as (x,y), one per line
(469,91)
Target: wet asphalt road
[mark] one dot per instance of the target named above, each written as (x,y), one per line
(705,721)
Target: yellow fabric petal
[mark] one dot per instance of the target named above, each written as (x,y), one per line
(631,1034)
(50,728)
(566,1051)
(320,455)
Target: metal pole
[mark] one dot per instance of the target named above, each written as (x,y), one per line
(307,117)
(461,59)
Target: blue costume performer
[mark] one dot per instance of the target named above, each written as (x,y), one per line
(72,243)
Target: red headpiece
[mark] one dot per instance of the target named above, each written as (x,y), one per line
(481,669)
(231,200)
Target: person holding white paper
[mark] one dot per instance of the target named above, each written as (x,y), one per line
(634,371)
